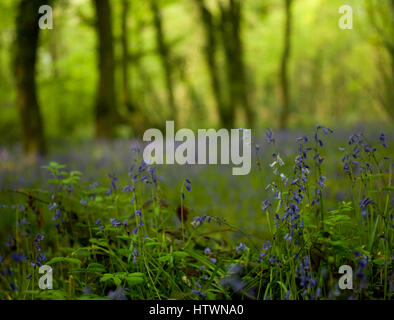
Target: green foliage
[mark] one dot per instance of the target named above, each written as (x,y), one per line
(127,242)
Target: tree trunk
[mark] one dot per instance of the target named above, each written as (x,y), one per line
(27,35)
(164,53)
(125,57)
(381,15)
(284,78)
(210,57)
(106,112)
(236,73)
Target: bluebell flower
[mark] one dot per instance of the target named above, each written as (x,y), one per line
(267,245)
(117,294)
(128,188)
(18,257)
(262,255)
(115,223)
(321,181)
(288,237)
(325,130)
(363,203)
(269,135)
(113,181)
(241,247)
(382,139)
(51,206)
(265,205)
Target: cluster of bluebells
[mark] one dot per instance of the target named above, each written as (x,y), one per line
(136,253)
(241,247)
(352,159)
(198,291)
(364,203)
(57,217)
(114,185)
(20,257)
(143,172)
(270,136)
(117,294)
(266,246)
(305,278)
(211,258)
(325,131)
(199,220)
(101,227)
(140,223)
(115,222)
(362,262)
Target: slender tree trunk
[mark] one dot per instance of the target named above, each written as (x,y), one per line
(27,36)
(210,57)
(381,15)
(236,71)
(284,78)
(125,56)
(164,52)
(236,14)
(231,72)
(106,112)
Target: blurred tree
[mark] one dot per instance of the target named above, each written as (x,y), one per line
(230,26)
(165,57)
(125,56)
(106,111)
(381,14)
(26,44)
(210,52)
(284,77)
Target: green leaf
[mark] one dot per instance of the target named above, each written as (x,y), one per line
(106,277)
(117,281)
(63,259)
(180,254)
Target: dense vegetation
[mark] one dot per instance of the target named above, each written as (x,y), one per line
(132,237)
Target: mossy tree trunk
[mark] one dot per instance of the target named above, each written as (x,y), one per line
(165,57)
(25,60)
(210,53)
(105,108)
(237,82)
(284,86)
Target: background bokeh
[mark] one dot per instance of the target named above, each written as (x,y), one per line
(336,77)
